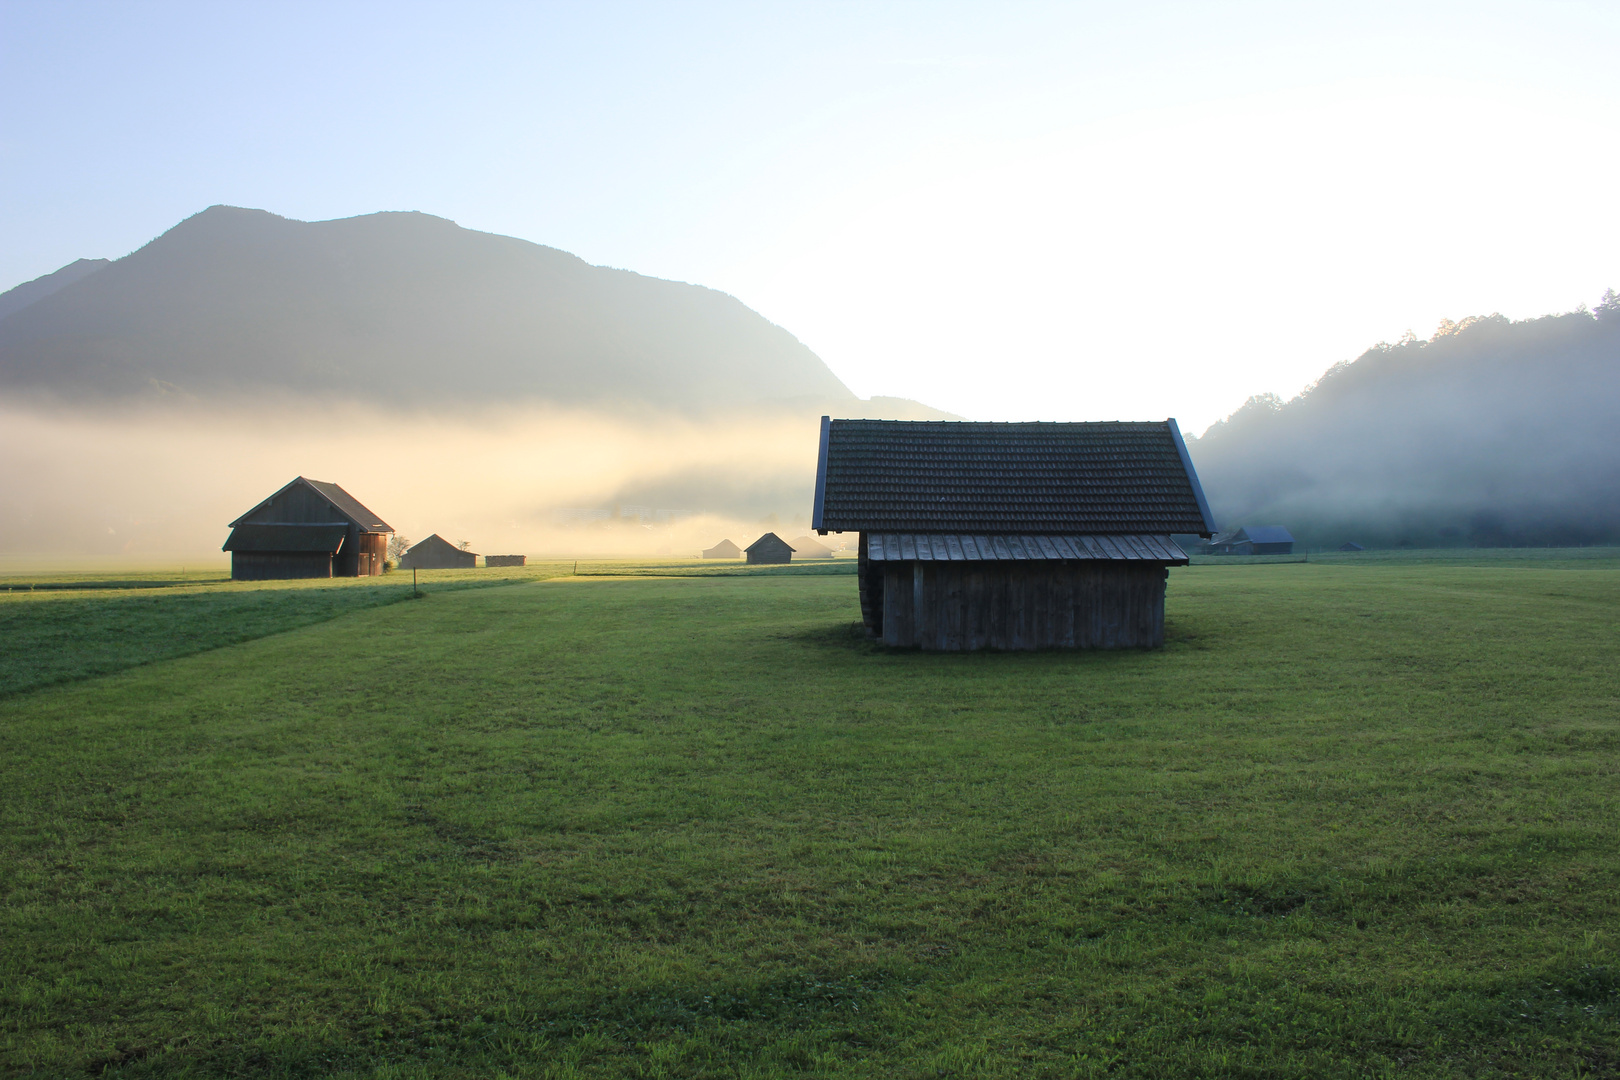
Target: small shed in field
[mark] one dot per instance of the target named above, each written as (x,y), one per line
(769,548)
(725,549)
(1262,540)
(310,528)
(1253,540)
(1351,545)
(437,553)
(1010,536)
(808,548)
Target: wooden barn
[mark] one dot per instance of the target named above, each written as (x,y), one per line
(1010,536)
(725,549)
(437,553)
(309,528)
(1255,540)
(769,548)
(806,547)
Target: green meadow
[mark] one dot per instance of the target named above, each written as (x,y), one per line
(1357,818)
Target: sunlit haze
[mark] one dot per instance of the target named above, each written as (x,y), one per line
(1008,212)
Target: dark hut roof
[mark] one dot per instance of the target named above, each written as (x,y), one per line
(961,547)
(321,539)
(341,500)
(960,477)
(437,543)
(769,540)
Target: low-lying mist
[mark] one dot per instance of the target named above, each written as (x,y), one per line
(159,483)
(1491,433)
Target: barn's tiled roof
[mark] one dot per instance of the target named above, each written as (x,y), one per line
(958,477)
(349,505)
(318,539)
(769,542)
(964,547)
(341,500)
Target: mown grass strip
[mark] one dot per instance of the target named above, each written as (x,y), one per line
(83,630)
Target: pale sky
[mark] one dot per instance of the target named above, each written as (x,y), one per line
(1011,211)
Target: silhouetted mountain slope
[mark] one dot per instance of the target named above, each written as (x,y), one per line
(394,307)
(1493,432)
(14,300)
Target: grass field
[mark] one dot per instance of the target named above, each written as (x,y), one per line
(1356,819)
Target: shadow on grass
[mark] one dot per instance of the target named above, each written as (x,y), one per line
(851,638)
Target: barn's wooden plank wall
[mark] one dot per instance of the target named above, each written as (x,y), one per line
(273,565)
(957,606)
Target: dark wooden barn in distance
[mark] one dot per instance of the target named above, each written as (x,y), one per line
(437,553)
(310,528)
(769,548)
(1254,540)
(1010,536)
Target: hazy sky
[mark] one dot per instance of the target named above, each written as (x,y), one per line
(1007,210)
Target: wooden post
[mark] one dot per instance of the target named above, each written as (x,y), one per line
(414,591)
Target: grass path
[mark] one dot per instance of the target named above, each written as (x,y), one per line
(1351,821)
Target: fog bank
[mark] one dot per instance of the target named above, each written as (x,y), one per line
(1490,433)
(160,483)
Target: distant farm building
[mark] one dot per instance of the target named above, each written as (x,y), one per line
(505,560)
(769,548)
(437,553)
(1010,536)
(725,549)
(807,548)
(308,529)
(1254,540)
(1351,545)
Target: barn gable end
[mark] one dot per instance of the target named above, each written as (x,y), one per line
(309,528)
(437,553)
(769,548)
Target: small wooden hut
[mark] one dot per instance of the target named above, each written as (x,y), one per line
(1010,536)
(1351,545)
(725,549)
(437,553)
(1259,540)
(769,548)
(310,528)
(806,547)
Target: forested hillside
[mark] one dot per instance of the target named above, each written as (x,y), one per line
(1489,433)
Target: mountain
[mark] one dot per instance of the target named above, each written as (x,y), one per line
(29,292)
(398,308)
(1490,433)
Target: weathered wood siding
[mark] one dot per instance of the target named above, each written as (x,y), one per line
(298,505)
(869,576)
(505,560)
(270,565)
(960,606)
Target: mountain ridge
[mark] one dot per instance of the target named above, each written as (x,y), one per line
(30,292)
(399,307)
